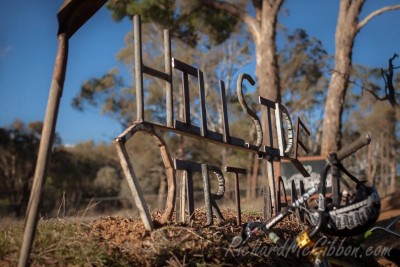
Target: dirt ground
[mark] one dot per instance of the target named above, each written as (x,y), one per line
(123,241)
(192,245)
(390,210)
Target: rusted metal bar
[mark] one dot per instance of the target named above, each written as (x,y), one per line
(300,126)
(207,193)
(218,212)
(133,184)
(203,129)
(293,194)
(187,195)
(186,70)
(237,191)
(235,170)
(271,182)
(237,199)
(45,147)
(267,203)
(302,191)
(269,105)
(186,99)
(169,96)
(227,138)
(75,13)
(183,67)
(217,138)
(213,137)
(281,190)
(71,16)
(190,197)
(183,193)
(299,166)
(156,73)
(185,165)
(178,198)
(137,33)
(280,133)
(270,166)
(336,177)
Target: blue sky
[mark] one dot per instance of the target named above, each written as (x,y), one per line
(28,47)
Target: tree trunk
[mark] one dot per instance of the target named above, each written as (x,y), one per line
(253,179)
(248,177)
(162,191)
(267,69)
(263,30)
(346,30)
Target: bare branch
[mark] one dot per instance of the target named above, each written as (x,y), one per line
(362,87)
(277,5)
(375,95)
(374,14)
(387,76)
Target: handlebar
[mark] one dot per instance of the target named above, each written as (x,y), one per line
(363,140)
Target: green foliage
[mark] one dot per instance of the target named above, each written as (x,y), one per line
(302,62)
(77,172)
(19,144)
(109,92)
(189,20)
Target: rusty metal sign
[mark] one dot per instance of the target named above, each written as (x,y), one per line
(285,133)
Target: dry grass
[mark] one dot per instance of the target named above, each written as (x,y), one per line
(123,241)
(58,243)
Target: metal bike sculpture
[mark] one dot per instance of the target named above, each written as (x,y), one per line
(347,212)
(185,127)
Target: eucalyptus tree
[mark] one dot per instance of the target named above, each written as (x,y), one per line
(19,145)
(348,26)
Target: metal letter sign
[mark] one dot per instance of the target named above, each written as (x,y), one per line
(286,142)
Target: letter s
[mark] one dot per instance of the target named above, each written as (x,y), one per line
(245,107)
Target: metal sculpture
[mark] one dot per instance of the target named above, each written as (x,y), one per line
(185,127)
(333,216)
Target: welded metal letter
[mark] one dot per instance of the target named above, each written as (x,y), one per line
(140,68)
(300,126)
(186,187)
(130,176)
(209,198)
(285,145)
(245,107)
(281,192)
(237,191)
(225,122)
